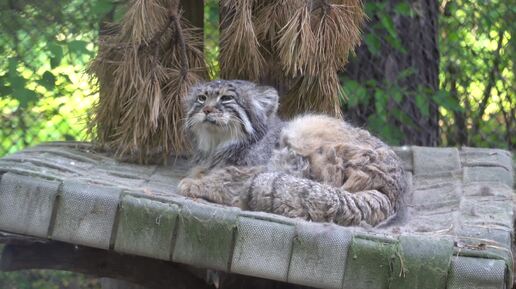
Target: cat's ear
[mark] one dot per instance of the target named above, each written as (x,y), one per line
(267,99)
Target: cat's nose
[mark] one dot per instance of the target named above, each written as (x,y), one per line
(208,109)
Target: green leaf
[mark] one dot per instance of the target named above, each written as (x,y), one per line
(17,81)
(422,104)
(69,137)
(48,80)
(403,8)
(57,54)
(13,65)
(373,43)
(25,96)
(396,94)
(453,36)
(403,117)
(370,7)
(396,43)
(102,7)
(380,101)
(388,24)
(357,94)
(379,125)
(4,88)
(444,99)
(406,73)
(78,47)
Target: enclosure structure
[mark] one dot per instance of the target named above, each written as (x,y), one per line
(64,206)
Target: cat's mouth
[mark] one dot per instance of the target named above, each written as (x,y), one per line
(214,118)
(211,119)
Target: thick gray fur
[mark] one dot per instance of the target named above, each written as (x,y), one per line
(314,167)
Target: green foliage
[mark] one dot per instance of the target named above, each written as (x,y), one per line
(477,73)
(212,36)
(42,279)
(476,97)
(44,95)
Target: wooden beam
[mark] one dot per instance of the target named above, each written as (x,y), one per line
(146,272)
(24,253)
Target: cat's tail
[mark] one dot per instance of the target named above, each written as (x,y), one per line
(290,196)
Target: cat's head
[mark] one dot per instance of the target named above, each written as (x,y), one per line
(229,110)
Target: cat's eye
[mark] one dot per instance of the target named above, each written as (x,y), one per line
(226,98)
(201,98)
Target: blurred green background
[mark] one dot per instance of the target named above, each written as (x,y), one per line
(45,47)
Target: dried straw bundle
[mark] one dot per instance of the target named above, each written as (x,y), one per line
(337,32)
(312,46)
(143,72)
(306,42)
(319,36)
(313,94)
(271,16)
(240,55)
(297,44)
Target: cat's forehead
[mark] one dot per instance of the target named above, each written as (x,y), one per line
(223,86)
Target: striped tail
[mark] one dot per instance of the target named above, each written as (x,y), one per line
(291,196)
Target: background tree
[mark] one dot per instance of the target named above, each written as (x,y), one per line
(391,83)
(477,73)
(399,66)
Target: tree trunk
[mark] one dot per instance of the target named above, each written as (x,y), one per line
(388,63)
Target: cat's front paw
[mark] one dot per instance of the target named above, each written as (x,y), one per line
(189,187)
(197,189)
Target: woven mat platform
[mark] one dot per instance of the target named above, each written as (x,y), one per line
(455,231)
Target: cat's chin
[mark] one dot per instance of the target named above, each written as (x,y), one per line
(212,126)
(210,121)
